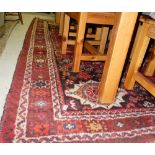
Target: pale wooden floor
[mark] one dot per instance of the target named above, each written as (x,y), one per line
(10,54)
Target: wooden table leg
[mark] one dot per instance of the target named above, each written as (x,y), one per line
(119,43)
(138,55)
(79,41)
(65,33)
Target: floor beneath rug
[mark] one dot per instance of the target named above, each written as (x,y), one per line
(8,58)
(8,28)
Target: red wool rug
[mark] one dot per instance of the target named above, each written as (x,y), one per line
(49,103)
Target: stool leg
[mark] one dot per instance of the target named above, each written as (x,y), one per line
(138,55)
(57,17)
(98,34)
(79,41)
(89,30)
(135,41)
(20,17)
(65,34)
(61,23)
(103,41)
(150,68)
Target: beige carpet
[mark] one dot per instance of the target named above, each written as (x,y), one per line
(9,26)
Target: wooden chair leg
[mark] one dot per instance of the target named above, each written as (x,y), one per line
(20,17)
(116,56)
(138,55)
(103,41)
(150,68)
(79,42)
(65,34)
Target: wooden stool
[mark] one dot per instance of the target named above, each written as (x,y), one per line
(82,19)
(146,32)
(97,36)
(59,20)
(14,14)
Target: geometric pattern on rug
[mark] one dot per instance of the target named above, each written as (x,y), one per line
(87,93)
(47,102)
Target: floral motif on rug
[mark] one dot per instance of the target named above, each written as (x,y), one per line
(47,102)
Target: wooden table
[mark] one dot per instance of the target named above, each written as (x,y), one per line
(119,43)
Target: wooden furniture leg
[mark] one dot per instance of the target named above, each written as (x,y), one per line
(104,36)
(62,14)
(98,34)
(20,17)
(57,17)
(138,55)
(79,41)
(116,56)
(135,41)
(150,68)
(65,33)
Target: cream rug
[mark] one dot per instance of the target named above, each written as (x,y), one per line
(9,26)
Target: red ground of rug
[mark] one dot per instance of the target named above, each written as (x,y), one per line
(49,103)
